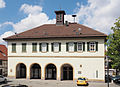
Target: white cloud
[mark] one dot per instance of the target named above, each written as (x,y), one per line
(78,4)
(35,18)
(6,34)
(99,14)
(29,9)
(32,21)
(5,23)
(69,18)
(2,4)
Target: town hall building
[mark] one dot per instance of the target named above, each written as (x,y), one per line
(61,51)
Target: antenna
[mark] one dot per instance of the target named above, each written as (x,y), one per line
(74,17)
(60,7)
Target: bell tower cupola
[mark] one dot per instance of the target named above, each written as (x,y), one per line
(60,17)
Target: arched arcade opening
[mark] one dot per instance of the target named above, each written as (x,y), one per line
(66,72)
(21,71)
(35,71)
(50,72)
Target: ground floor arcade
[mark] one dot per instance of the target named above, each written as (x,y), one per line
(50,71)
(56,69)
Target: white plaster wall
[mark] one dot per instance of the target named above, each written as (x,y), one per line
(63,52)
(88,69)
(89,65)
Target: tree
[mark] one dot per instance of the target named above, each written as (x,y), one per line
(113,45)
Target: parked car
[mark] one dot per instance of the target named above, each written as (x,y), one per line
(106,78)
(82,81)
(3,79)
(116,79)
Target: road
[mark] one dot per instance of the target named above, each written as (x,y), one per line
(54,83)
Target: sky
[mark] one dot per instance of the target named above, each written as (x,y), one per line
(20,15)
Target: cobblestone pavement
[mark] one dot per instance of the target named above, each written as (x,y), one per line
(54,83)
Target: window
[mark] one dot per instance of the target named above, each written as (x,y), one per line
(75,46)
(43,47)
(34,47)
(70,46)
(96,73)
(79,72)
(23,47)
(59,17)
(13,47)
(80,46)
(56,46)
(92,46)
(0,62)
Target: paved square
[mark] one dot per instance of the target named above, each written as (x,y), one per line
(54,83)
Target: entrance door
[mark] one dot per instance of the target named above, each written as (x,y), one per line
(21,71)
(50,71)
(35,71)
(67,72)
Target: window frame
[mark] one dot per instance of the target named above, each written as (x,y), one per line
(73,47)
(53,47)
(46,47)
(94,46)
(59,17)
(34,44)
(13,47)
(81,47)
(25,44)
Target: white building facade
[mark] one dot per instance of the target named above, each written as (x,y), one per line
(57,54)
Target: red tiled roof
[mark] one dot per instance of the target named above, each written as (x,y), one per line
(54,31)
(3,52)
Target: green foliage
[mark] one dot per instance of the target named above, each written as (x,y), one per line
(113,45)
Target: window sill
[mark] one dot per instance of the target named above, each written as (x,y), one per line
(43,52)
(24,52)
(71,52)
(56,51)
(34,51)
(92,51)
(80,51)
(13,52)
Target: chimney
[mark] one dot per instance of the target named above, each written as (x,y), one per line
(60,17)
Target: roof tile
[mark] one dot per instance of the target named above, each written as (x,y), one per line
(53,31)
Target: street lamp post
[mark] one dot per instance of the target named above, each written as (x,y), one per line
(107,71)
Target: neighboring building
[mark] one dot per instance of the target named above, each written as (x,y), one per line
(57,51)
(3,60)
